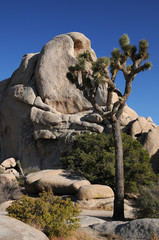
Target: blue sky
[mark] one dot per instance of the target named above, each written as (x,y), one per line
(26,25)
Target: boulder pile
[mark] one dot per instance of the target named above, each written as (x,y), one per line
(8,167)
(65,182)
(41,110)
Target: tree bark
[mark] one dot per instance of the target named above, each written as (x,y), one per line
(119,171)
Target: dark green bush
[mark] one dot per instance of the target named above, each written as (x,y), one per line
(147,204)
(93,155)
(50,214)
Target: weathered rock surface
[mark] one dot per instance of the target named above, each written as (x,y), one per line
(94,191)
(50,73)
(9,187)
(4,206)
(12,171)
(133,230)
(59,181)
(104,204)
(140,125)
(150,142)
(88,221)
(8,167)
(4,178)
(9,163)
(41,110)
(147,133)
(11,228)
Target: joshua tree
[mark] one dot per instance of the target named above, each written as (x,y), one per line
(88,75)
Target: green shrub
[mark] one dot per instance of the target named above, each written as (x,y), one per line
(93,155)
(147,204)
(50,214)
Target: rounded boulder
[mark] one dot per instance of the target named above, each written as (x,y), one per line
(94,191)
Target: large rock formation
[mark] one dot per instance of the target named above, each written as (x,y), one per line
(41,110)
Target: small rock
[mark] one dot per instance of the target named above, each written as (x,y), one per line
(9,163)
(149,119)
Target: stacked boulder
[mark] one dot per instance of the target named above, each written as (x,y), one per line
(46,108)
(147,133)
(8,167)
(41,110)
(65,182)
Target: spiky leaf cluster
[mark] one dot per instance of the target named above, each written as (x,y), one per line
(133,51)
(143,47)
(85,55)
(100,64)
(143,44)
(82,59)
(118,57)
(147,66)
(99,69)
(81,65)
(77,67)
(124,41)
(129,67)
(118,61)
(115,57)
(128,49)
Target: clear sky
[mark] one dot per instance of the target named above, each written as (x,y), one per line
(26,25)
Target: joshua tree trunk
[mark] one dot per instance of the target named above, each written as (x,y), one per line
(100,74)
(119,171)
